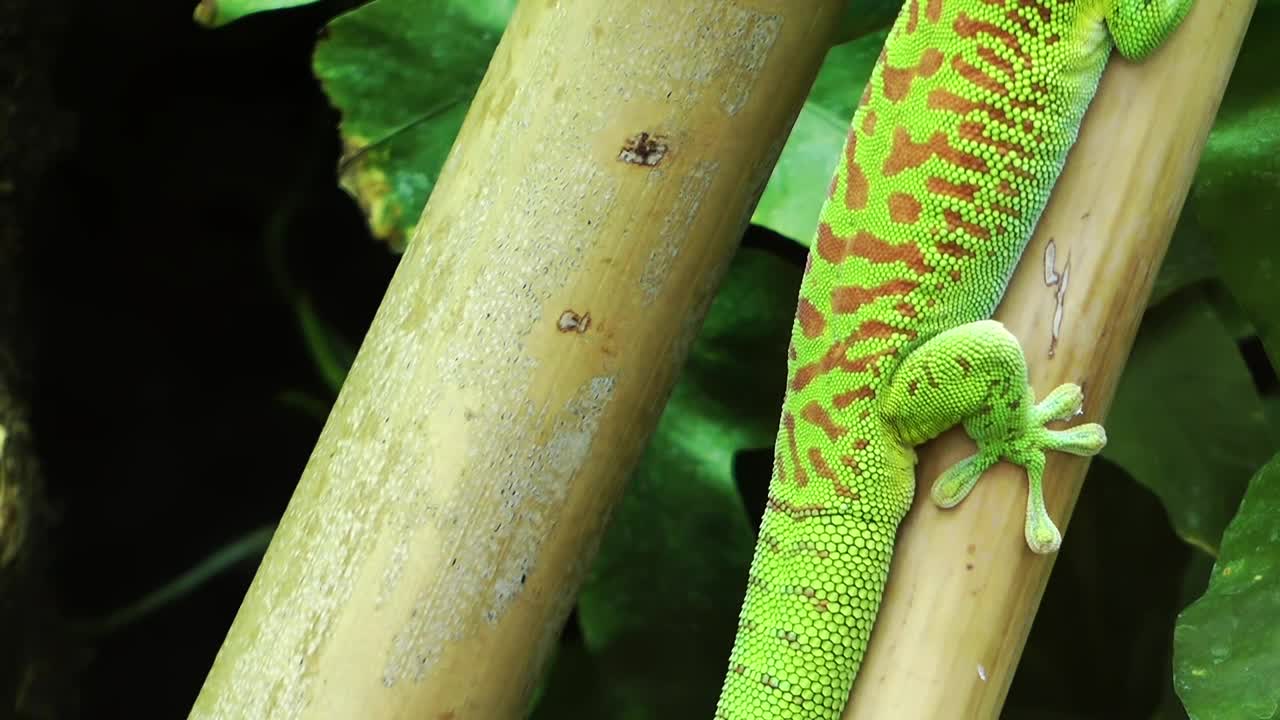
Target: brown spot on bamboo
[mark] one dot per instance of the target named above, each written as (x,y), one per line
(572,322)
(643,149)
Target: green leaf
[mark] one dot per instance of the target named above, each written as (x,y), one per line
(660,606)
(1271,405)
(403,73)
(1227,643)
(1188,261)
(1237,193)
(798,186)
(216,13)
(1187,420)
(1194,579)
(863,17)
(573,687)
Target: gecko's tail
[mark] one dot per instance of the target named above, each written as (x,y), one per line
(812,595)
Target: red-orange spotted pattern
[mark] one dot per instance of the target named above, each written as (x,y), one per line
(959,138)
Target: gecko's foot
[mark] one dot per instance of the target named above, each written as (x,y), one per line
(1024,442)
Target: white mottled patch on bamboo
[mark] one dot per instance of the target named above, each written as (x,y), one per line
(490,566)
(1051,263)
(523,479)
(679,218)
(1060,279)
(756,34)
(690,50)
(362,484)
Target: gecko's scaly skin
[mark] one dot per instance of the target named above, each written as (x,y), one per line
(960,136)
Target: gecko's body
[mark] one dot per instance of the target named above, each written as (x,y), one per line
(959,138)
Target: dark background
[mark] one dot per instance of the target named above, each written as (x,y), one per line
(163,340)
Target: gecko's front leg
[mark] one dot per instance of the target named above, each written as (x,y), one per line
(976,375)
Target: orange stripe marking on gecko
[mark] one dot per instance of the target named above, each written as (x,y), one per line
(847,299)
(856,186)
(906,154)
(967,27)
(904,209)
(897,81)
(789,422)
(835,249)
(811,320)
(824,471)
(817,415)
(959,191)
(845,399)
(837,355)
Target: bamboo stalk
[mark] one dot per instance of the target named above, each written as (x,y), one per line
(519,360)
(963,589)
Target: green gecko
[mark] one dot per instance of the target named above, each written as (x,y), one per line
(960,135)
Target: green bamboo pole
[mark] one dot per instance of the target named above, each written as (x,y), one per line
(519,360)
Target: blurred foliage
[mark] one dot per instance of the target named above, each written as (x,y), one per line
(404,87)
(1227,643)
